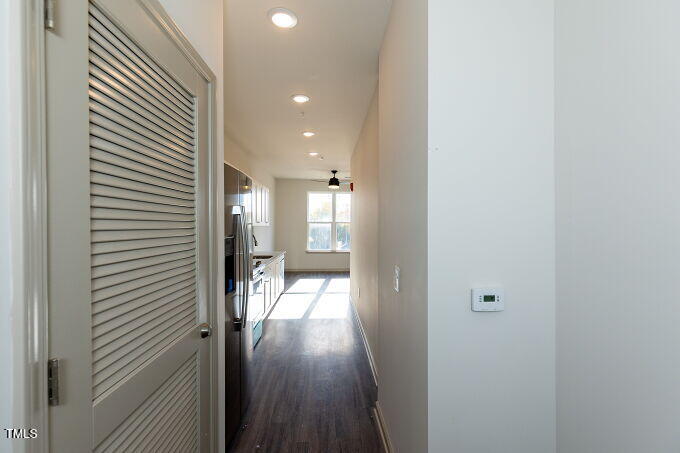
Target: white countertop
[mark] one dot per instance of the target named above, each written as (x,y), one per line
(263,262)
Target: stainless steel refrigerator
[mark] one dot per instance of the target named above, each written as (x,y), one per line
(238,262)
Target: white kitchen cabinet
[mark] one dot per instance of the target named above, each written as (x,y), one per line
(267,293)
(265,205)
(280,277)
(272,285)
(275,280)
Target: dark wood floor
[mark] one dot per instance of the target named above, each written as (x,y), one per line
(314,390)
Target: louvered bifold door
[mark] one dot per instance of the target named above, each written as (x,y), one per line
(145,382)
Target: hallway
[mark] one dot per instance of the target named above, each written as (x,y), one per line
(314,389)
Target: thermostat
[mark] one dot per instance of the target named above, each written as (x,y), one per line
(488,299)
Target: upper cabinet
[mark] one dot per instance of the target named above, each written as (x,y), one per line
(261,216)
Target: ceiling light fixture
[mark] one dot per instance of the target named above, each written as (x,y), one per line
(313,153)
(283,18)
(300,98)
(334,183)
(308,134)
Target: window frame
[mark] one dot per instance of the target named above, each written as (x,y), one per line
(333,222)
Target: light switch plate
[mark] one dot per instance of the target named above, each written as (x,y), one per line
(396,277)
(488,299)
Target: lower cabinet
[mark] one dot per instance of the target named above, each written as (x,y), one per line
(267,293)
(273,282)
(280,276)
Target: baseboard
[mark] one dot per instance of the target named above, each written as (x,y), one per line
(367,346)
(377,412)
(382,428)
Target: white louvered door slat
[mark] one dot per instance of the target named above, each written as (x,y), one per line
(129,266)
(119,343)
(125,194)
(132,103)
(118,108)
(138,135)
(139,244)
(178,389)
(143,305)
(125,169)
(106,46)
(130,255)
(137,147)
(102,74)
(143,156)
(129,48)
(119,183)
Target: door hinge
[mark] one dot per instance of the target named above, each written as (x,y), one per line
(49,14)
(53,382)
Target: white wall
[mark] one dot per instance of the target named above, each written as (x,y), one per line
(402,176)
(236,156)
(491,222)
(291,227)
(364,257)
(618,136)
(13,394)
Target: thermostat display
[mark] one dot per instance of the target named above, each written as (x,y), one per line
(488,299)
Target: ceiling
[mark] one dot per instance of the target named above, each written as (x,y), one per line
(331,56)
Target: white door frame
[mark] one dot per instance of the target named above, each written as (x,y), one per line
(30,326)
(214,166)
(28,230)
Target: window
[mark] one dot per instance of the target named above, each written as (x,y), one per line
(328,220)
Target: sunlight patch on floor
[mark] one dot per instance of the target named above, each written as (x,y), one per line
(318,298)
(338,285)
(307,285)
(292,306)
(331,306)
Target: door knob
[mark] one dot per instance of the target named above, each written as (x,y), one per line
(205,330)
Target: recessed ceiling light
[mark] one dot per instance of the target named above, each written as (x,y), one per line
(300,98)
(308,134)
(313,154)
(283,18)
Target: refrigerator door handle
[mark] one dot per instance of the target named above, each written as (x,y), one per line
(237,277)
(238,319)
(245,267)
